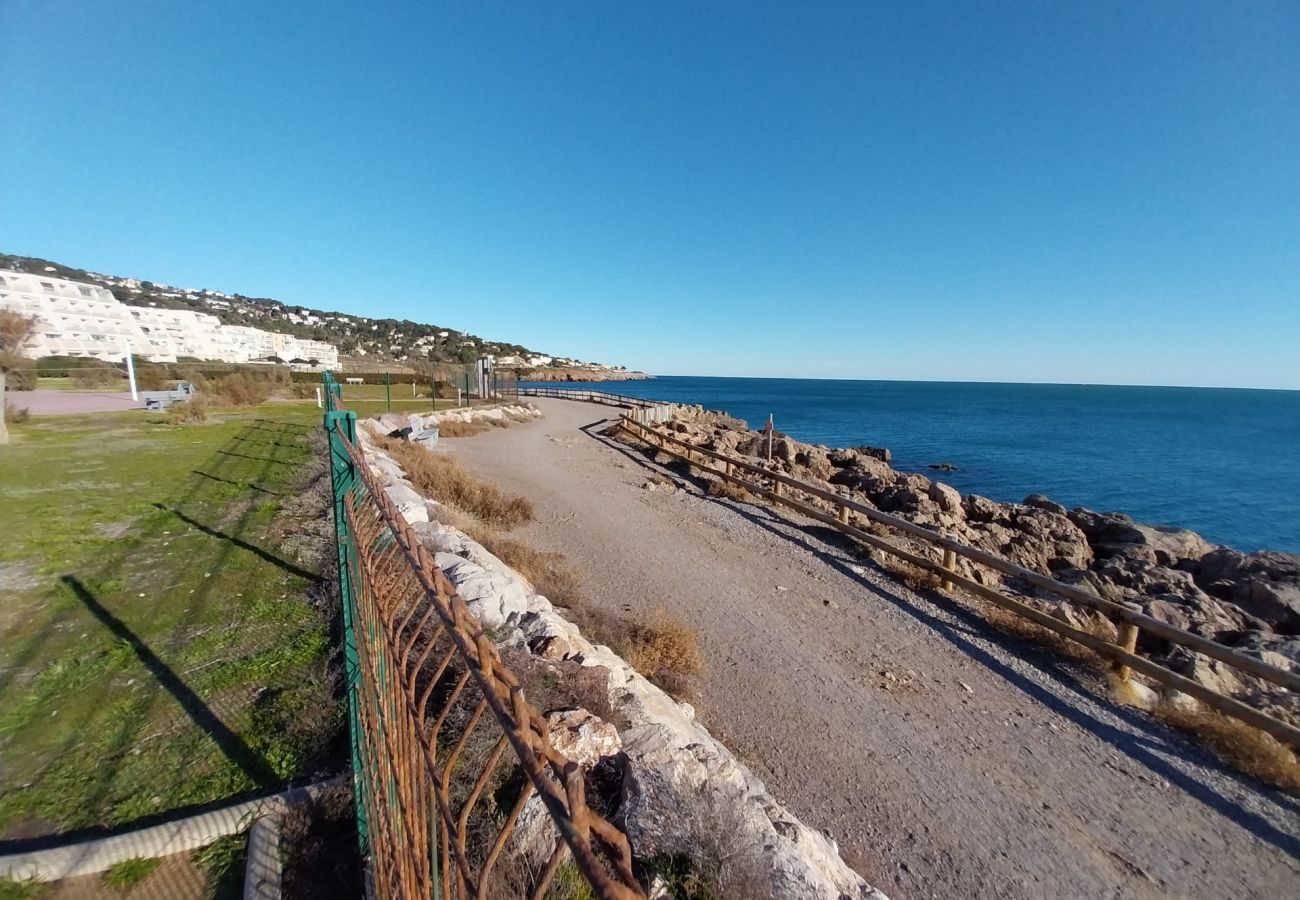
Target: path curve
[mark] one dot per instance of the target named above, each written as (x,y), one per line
(946,760)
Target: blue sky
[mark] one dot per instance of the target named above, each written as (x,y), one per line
(1035,191)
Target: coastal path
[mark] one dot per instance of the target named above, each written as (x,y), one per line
(946,759)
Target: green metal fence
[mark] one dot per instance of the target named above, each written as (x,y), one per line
(432,712)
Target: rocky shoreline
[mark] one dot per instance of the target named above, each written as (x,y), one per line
(561,373)
(1248,601)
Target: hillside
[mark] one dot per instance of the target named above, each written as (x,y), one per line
(395,340)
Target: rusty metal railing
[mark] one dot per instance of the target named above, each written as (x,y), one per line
(434,713)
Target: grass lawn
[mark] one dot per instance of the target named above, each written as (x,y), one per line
(159,648)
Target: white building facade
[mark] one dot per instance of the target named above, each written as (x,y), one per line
(86,320)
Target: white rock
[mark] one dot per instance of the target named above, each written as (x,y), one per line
(409,503)
(494,598)
(582,737)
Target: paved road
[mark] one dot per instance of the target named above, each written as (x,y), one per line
(946,760)
(45,402)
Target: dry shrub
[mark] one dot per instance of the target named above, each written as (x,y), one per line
(1241,746)
(16,415)
(239,390)
(663,643)
(442,478)
(1007,622)
(913,576)
(97,376)
(454,429)
(728,490)
(191,412)
(550,573)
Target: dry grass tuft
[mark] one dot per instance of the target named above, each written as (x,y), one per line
(16,415)
(442,478)
(1241,746)
(730,491)
(550,573)
(913,576)
(663,643)
(453,429)
(190,412)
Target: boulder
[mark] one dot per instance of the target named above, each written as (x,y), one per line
(496,599)
(1265,585)
(1040,502)
(426,436)
(409,503)
(392,423)
(981,509)
(948,498)
(880,453)
(582,737)
(691,797)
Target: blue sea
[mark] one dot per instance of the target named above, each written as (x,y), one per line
(1222,462)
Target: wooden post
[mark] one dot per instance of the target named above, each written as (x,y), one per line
(776,487)
(949,562)
(844,515)
(1128,638)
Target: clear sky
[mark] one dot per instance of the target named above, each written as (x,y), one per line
(1013,191)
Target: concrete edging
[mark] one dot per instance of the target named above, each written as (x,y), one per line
(98,854)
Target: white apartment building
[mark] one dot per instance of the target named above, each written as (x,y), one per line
(76,319)
(86,320)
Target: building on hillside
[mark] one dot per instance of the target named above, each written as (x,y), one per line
(86,320)
(76,319)
(182,332)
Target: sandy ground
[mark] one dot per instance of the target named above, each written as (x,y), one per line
(44,402)
(945,759)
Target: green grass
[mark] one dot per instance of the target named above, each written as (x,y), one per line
(157,647)
(129,872)
(223,863)
(22,890)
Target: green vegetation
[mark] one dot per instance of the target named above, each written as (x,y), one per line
(22,890)
(160,648)
(129,872)
(223,863)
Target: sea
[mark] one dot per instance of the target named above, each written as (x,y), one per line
(1221,461)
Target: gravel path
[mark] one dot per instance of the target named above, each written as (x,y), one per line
(945,760)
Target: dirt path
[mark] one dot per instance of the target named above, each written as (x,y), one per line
(945,759)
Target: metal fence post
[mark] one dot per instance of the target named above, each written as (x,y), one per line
(343,478)
(388,391)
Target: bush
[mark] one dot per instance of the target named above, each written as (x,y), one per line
(15,415)
(98,377)
(442,478)
(240,390)
(151,377)
(191,412)
(664,644)
(20,379)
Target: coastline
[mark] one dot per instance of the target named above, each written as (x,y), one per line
(579,375)
(1250,601)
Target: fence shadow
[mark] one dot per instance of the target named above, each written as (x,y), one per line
(205,504)
(232,745)
(964,628)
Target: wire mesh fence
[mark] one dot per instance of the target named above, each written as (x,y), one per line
(459,790)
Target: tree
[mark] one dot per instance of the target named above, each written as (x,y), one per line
(15,331)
